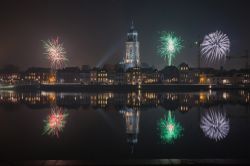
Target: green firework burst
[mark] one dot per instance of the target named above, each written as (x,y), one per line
(170,46)
(169,129)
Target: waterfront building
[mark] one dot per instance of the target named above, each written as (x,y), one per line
(150,76)
(134,76)
(197,75)
(184,73)
(9,75)
(194,76)
(85,74)
(93,76)
(120,77)
(169,75)
(36,75)
(68,75)
(99,76)
(243,76)
(110,73)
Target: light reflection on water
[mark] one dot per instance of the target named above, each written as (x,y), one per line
(162,122)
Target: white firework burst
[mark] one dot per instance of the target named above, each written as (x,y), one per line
(215,47)
(55,53)
(215,124)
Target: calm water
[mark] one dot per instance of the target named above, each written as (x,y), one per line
(125,125)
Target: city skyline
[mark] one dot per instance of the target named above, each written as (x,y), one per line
(124,82)
(94,32)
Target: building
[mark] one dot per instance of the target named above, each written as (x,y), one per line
(120,77)
(134,76)
(169,75)
(99,76)
(132,56)
(9,75)
(85,74)
(150,76)
(243,76)
(184,73)
(37,75)
(68,75)
(110,69)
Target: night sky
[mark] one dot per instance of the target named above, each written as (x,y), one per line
(94,32)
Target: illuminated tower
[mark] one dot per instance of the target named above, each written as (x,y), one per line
(132,57)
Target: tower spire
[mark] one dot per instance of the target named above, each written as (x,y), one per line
(132,24)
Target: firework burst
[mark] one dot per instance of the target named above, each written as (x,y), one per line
(55,122)
(215,124)
(215,47)
(55,53)
(170,46)
(170,130)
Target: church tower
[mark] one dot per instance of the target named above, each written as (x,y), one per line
(132,57)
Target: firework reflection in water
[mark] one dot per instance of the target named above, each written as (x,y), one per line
(215,124)
(55,122)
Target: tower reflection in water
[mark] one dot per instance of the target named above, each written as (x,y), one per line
(131,115)
(170,130)
(55,122)
(132,118)
(215,124)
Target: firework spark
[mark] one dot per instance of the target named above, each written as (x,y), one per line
(55,53)
(170,46)
(55,122)
(215,47)
(215,124)
(170,130)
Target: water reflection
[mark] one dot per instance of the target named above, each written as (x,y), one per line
(183,102)
(215,124)
(132,118)
(170,130)
(183,127)
(55,122)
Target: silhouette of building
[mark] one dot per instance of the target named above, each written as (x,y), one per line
(85,74)
(68,75)
(169,75)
